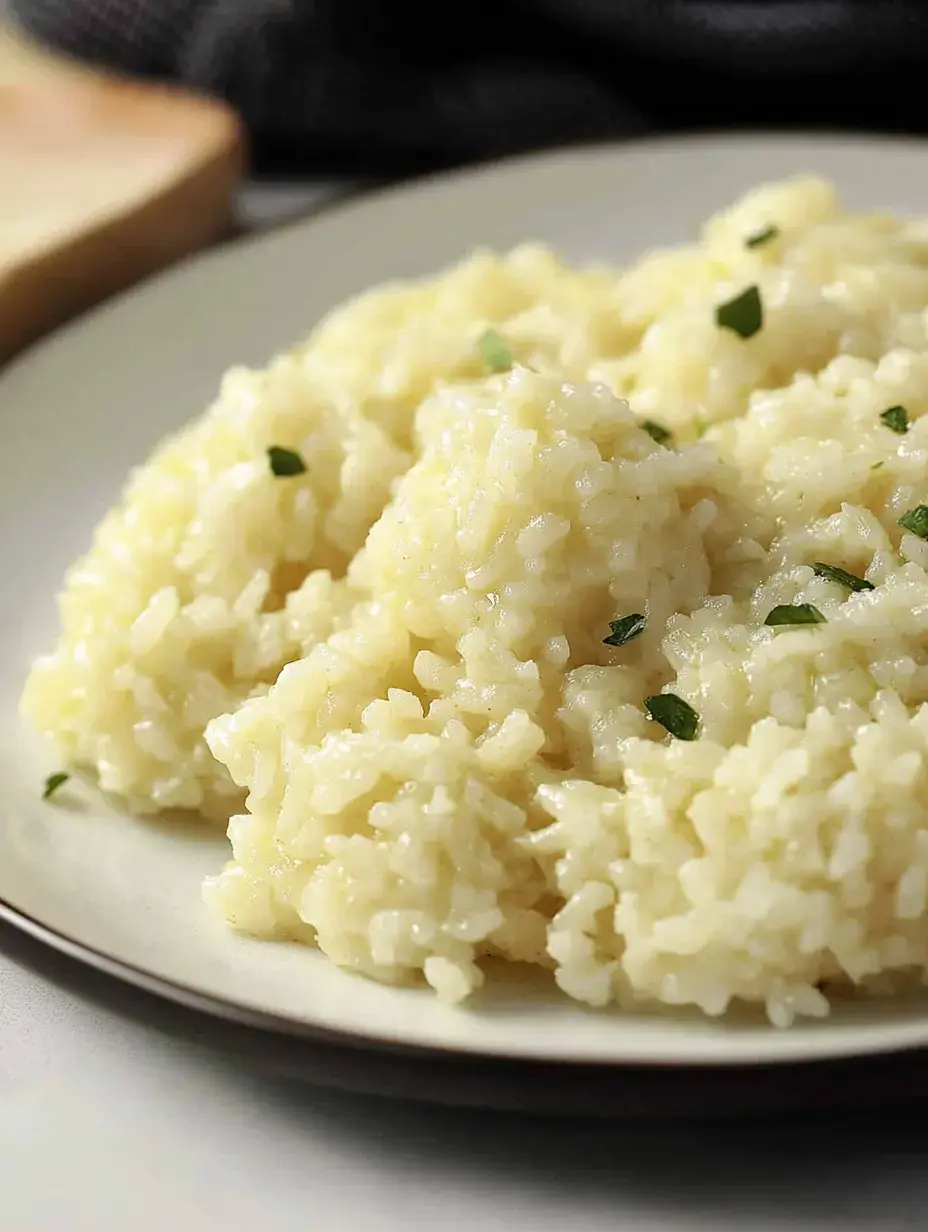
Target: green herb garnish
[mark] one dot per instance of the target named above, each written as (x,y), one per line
(762,237)
(743,315)
(916,520)
(673,713)
(53,782)
(876,466)
(657,432)
(794,614)
(494,352)
(625,629)
(833,574)
(285,462)
(897,419)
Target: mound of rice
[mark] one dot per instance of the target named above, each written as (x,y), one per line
(400,653)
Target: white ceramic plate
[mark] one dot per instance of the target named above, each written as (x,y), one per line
(78,411)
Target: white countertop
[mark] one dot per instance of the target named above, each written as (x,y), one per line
(106,1125)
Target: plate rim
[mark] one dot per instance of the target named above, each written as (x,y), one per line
(535,1086)
(269,1021)
(271,1024)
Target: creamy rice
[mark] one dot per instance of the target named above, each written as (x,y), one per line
(399,653)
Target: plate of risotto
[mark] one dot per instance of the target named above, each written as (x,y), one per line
(491,617)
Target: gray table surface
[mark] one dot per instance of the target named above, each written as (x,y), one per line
(107,1125)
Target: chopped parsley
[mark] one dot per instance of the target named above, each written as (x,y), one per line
(743,315)
(657,432)
(896,418)
(833,574)
(876,466)
(762,237)
(916,520)
(285,462)
(794,614)
(53,782)
(674,714)
(625,629)
(494,352)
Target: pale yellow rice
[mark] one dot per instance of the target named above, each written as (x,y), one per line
(399,654)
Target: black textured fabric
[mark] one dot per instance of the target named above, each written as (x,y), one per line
(393,85)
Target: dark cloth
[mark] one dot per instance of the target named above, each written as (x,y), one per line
(386,86)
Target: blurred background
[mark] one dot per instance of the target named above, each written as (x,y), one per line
(389,87)
(133,132)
